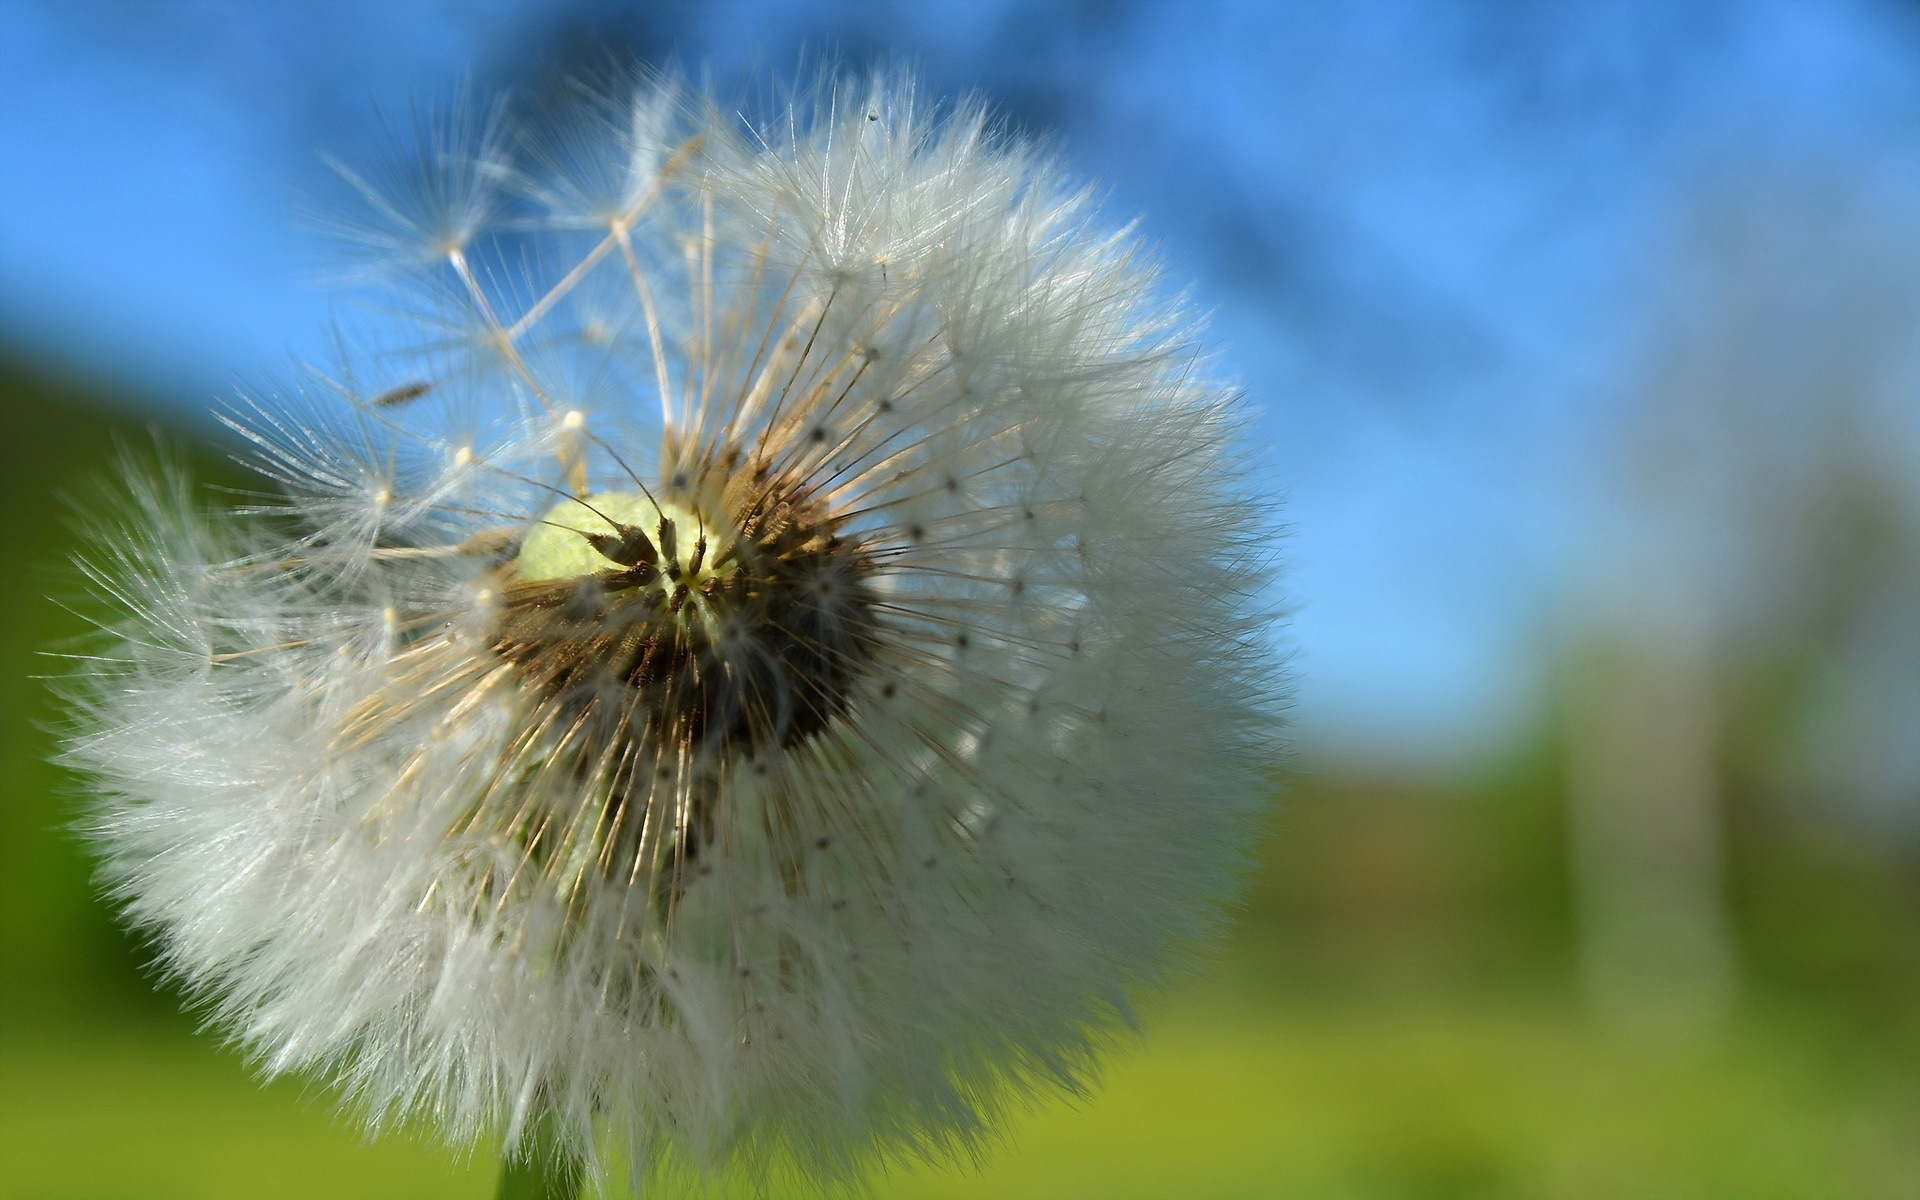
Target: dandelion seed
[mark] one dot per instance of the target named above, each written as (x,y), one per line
(401,394)
(787,676)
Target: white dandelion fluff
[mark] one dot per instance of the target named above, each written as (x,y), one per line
(767,670)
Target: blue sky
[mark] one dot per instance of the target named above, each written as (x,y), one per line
(1431,232)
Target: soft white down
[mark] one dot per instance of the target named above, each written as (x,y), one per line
(758,654)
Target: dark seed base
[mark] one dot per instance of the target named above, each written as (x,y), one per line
(786,635)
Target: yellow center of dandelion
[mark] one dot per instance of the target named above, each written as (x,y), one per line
(615,531)
(558,547)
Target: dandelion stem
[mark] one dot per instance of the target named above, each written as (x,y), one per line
(541,1169)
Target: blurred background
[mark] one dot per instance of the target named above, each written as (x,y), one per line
(1583,338)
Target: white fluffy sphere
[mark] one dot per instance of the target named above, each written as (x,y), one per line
(769,669)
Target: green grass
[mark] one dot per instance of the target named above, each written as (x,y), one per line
(1223,1100)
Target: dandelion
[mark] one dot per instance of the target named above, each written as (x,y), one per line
(766,671)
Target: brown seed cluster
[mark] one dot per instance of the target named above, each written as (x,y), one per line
(739,623)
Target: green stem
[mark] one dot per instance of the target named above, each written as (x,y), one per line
(540,1168)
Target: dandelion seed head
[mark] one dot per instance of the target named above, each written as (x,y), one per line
(770,669)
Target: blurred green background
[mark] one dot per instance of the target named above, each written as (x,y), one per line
(1431,992)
